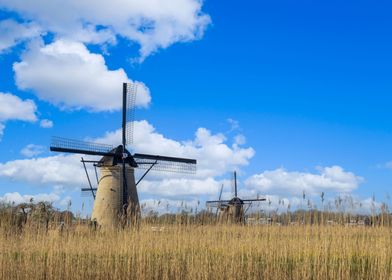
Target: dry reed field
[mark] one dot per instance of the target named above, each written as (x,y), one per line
(198,252)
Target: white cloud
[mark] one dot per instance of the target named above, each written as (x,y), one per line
(152,24)
(54,170)
(12,33)
(17,198)
(240,139)
(46,123)
(329,179)
(32,150)
(180,187)
(14,108)
(68,75)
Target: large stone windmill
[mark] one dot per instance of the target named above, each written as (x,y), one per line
(232,210)
(116,199)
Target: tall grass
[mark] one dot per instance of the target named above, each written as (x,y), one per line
(182,250)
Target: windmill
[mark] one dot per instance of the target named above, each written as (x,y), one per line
(232,210)
(116,198)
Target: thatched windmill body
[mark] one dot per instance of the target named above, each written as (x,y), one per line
(116,198)
(232,210)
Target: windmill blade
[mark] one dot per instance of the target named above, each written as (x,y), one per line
(129,104)
(247,208)
(163,163)
(221,192)
(87,192)
(254,200)
(65,145)
(220,197)
(88,189)
(217,203)
(233,184)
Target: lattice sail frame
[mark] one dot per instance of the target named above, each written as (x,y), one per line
(217,204)
(167,166)
(79,145)
(130,111)
(163,163)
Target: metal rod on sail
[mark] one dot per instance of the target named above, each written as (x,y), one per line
(96,173)
(220,197)
(145,173)
(247,209)
(88,178)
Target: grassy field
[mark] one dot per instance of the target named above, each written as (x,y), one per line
(199,252)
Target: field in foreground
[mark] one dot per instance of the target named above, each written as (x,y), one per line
(199,252)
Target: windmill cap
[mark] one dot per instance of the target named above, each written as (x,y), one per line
(119,154)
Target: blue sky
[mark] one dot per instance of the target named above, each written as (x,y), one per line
(306,83)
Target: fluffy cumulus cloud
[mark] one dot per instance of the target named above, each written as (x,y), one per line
(12,33)
(14,108)
(153,24)
(17,198)
(328,179)
(68,75)
(181,188)
(54,170)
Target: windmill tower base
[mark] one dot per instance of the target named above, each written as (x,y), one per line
(108,209)
(232,214)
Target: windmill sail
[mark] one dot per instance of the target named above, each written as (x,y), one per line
(129,103)
(217,203)
(254,200)
(65,145)
(163,163)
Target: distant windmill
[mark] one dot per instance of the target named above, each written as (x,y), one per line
(116,199)
(232,210)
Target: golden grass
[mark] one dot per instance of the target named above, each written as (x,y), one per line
(199,252)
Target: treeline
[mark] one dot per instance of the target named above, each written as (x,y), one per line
(41,215)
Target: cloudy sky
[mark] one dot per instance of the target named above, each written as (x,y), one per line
(295,96)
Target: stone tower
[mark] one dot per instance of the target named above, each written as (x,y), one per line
(108,208)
